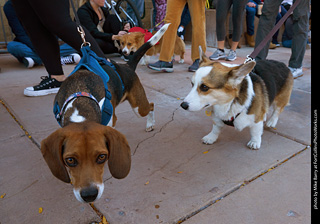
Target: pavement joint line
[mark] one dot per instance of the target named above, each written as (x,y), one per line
(19,123)
(239,186)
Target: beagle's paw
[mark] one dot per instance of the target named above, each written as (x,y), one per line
(150,122)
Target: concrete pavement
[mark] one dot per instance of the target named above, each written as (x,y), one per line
(174,177)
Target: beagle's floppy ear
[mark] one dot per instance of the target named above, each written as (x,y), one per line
(203,57)
(51,149)
(119,153)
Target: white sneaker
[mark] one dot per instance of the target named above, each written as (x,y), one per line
(28,62)
(296,72)
(71,59)
(76,58)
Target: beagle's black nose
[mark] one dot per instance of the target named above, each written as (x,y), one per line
(184,105)
(89,194)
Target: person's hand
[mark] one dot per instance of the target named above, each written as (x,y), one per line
(121,33)
(251,4)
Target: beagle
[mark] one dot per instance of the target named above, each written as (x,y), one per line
(78,151)
(240,95)
(131,41)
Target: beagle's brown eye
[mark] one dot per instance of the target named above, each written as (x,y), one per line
(204,88)
(129,44)
(71,162)
(101,158)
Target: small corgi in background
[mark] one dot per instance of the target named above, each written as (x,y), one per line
(131,41)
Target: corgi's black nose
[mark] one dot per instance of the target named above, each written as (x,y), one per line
(184,105)
(89,194)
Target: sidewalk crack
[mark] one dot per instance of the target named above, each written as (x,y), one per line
(155,133)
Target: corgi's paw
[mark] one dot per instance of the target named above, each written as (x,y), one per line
(209,139)
(272,122)
(254,144)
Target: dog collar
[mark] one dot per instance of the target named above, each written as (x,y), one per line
(58,113)
(231,121)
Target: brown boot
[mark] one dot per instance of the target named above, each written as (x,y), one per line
(250,40)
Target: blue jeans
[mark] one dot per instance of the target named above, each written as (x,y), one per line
(20,50)
(251,13)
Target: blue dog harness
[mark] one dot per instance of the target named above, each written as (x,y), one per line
(91,62)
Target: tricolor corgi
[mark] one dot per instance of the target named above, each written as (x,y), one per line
(132,41)
(240,95)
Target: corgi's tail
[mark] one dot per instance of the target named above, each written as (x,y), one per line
(134,60)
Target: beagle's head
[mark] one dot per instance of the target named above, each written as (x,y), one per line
(215,83)
(131,42)
(78,152)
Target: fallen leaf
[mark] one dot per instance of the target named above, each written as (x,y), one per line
(147,183)
(2,196)
(180,172)
(40,210)
(157,206)
(205,152)
(104,220)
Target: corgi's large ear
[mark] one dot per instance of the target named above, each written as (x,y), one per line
(203,57)
(239,72)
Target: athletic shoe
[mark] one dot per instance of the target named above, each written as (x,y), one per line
(194,67)
(45,87)
(218,54)
(296,72)
(231,56)
(71,59)
(28,62)
(162,66)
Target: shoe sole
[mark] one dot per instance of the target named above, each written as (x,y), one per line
(227,59)
(168,70)
(215,59)
(45,92)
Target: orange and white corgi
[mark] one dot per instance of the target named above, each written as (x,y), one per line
(240,95)
(130,42)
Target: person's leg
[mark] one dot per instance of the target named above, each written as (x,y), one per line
(300,33)
(237,17)
(107,47)
(20,51)
(222,10)
(45,43)
(251,12)
(173,16)
(270,10)
(66,50)
(198,18)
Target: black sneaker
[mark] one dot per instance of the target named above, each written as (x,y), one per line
(194,67)
(46,86)
(162,66)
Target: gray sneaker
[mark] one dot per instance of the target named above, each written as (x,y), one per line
(218,54)
(231,56)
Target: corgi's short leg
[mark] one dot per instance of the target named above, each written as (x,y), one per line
(273,120)
(214,134)
(256,131)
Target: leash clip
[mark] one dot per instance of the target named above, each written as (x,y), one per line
(249,58)
(82,34)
